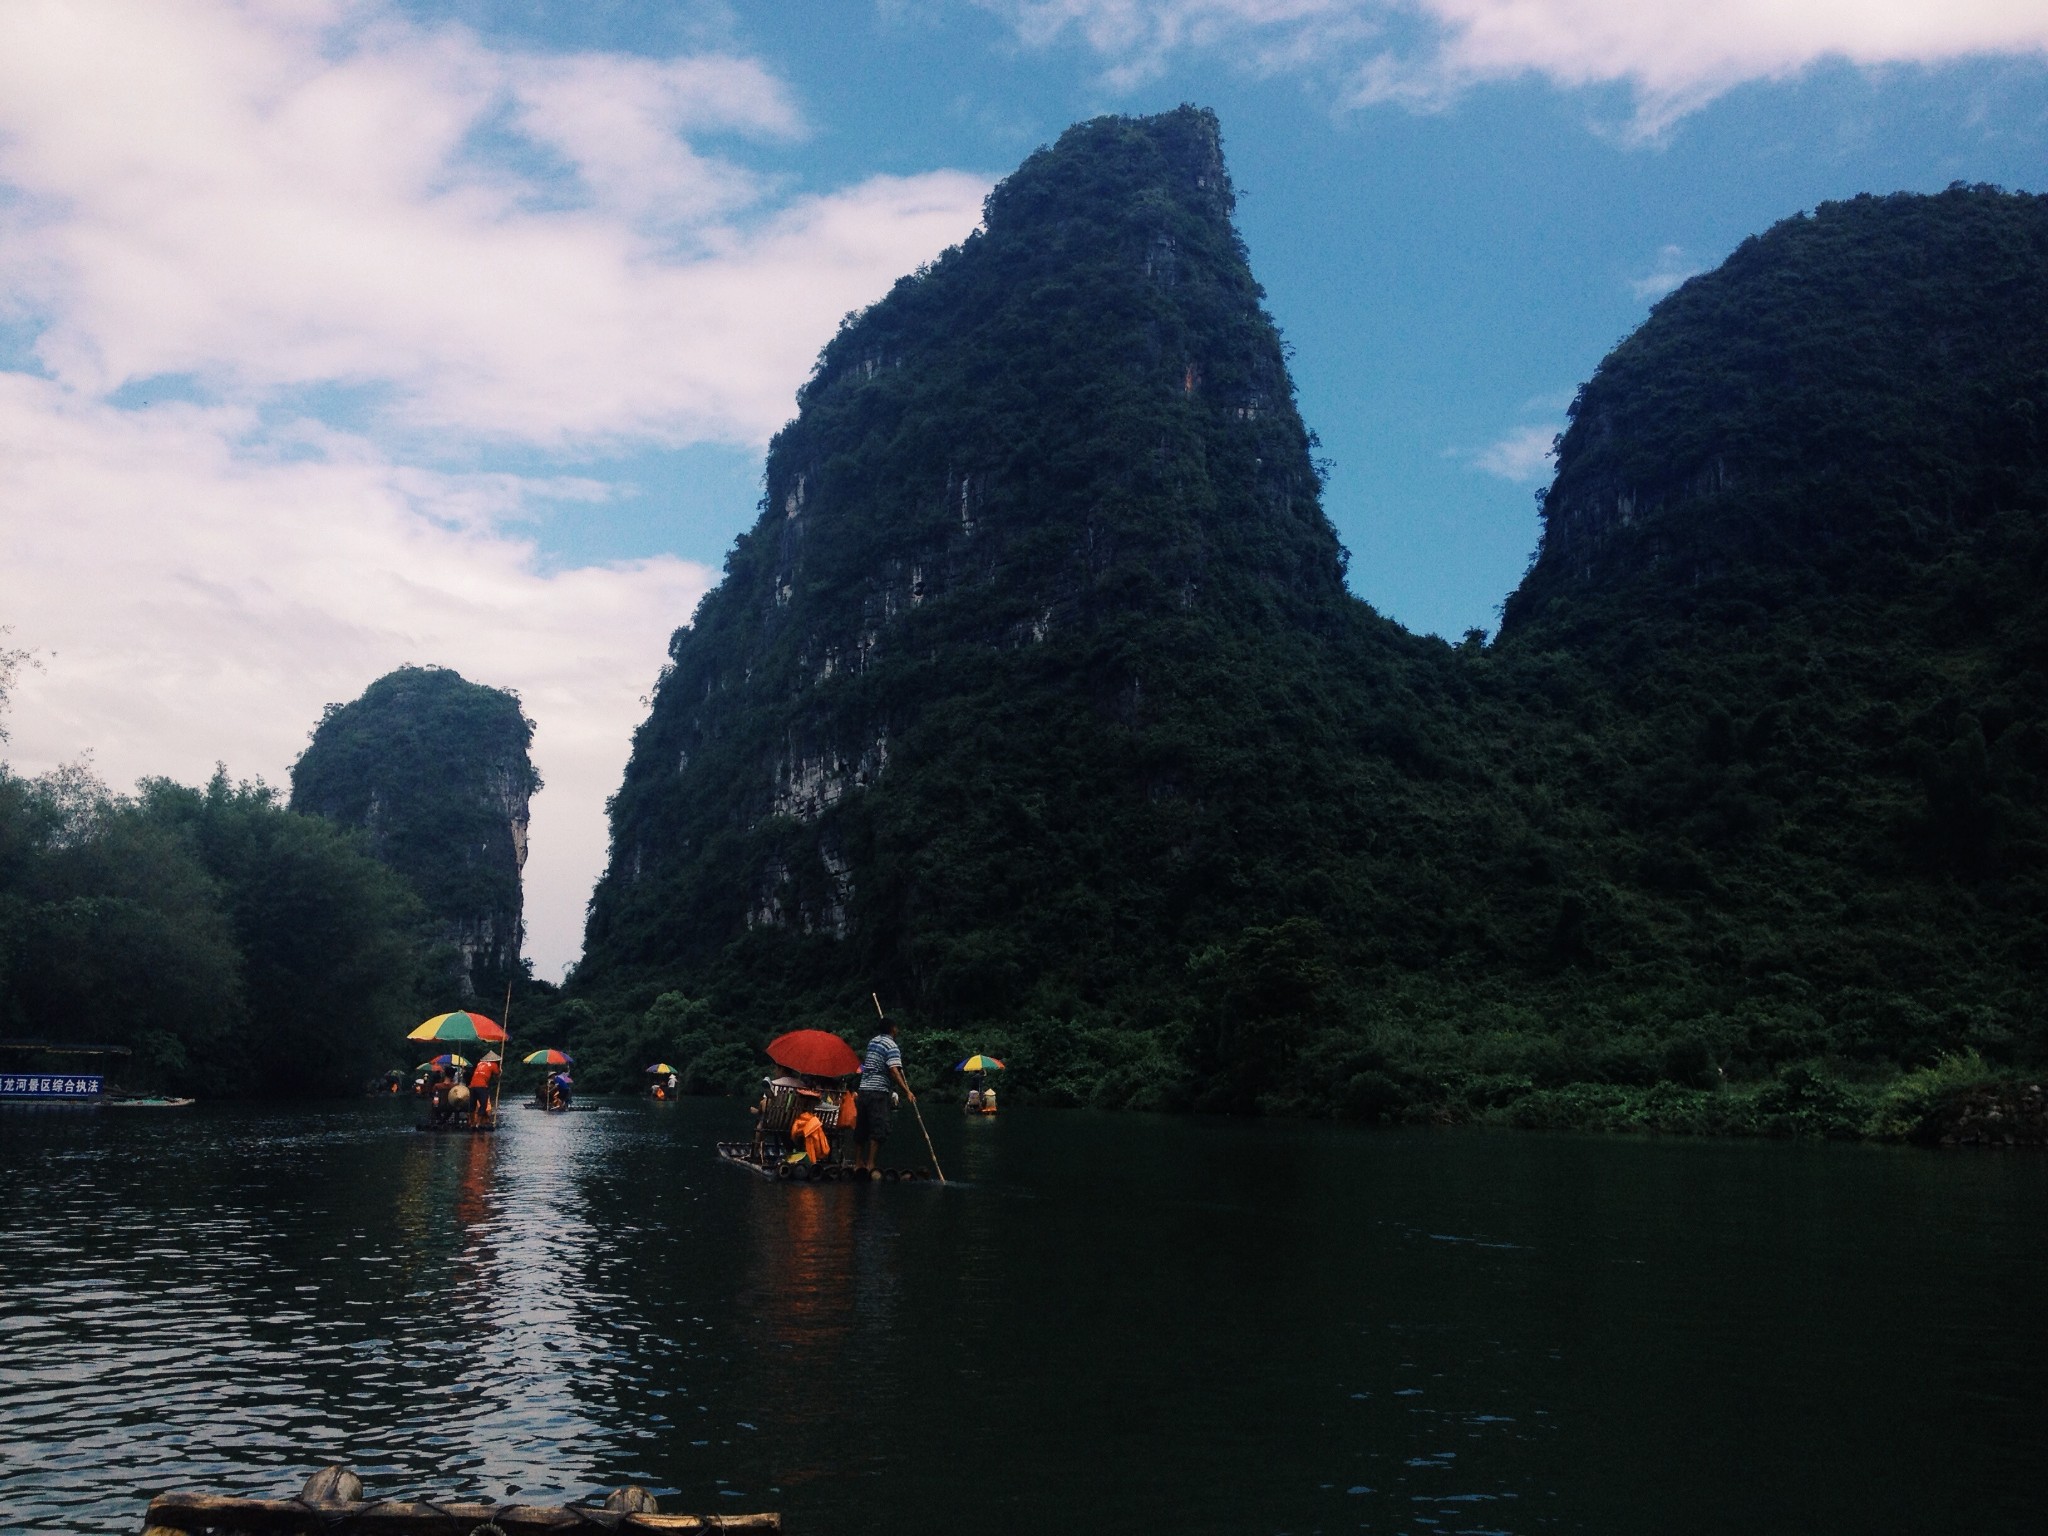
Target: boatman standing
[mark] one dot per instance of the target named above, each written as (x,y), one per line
(884,1061)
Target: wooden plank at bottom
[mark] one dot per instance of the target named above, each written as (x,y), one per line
(203,1511)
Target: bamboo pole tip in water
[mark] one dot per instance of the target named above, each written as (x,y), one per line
(333,1485)
(632,1500)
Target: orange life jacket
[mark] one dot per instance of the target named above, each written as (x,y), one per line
(810,1130)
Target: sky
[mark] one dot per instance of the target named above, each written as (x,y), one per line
(342,334)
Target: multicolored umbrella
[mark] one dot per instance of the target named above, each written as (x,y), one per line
(813,1051)
(445,1059)
(549,1058)
(458,1026)
(980,1064)
(661,1069)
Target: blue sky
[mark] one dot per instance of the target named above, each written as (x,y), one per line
(341,334)
(1447,277)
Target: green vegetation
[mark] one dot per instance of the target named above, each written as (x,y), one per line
(1035,701)
(238,947)
(433,769)
(234,947)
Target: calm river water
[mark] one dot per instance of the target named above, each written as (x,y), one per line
(1107,1323)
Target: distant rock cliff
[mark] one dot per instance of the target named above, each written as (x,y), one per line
(434,769)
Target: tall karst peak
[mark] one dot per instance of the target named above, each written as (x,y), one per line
(1035,503)
(434,770)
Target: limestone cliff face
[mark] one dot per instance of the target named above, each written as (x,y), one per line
(1030,503)
(434,770)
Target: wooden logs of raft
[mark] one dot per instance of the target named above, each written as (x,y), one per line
(333,1500)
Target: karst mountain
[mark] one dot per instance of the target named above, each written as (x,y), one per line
(1037,701)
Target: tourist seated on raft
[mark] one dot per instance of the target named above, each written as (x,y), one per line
(974,1099)
(988,1101)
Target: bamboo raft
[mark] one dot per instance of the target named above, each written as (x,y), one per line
(771,1163)
(333,1502)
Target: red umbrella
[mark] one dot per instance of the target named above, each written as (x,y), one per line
(813,1051)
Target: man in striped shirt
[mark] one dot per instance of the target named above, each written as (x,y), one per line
(884,1061)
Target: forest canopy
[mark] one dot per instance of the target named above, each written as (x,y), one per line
(1035,700)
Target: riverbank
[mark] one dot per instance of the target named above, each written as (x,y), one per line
(1953,1104)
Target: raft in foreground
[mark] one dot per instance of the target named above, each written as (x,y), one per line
(772,1162)
(333,1502)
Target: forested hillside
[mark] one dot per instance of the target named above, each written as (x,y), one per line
(433,770)
(235,946)
(1035,700)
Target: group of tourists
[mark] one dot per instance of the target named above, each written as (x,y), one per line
(451,1097)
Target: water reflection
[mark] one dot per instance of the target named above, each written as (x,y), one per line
(1103,1321)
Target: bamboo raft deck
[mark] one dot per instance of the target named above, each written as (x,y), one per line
(333,1502)
(769,1163)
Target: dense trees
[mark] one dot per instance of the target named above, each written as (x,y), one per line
(1035,701)
(234,947)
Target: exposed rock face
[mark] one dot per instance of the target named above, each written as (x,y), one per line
(1035,493)
(434,769)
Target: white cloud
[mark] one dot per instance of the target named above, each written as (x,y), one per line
(265,203)
(194,603)
(1672,55)
(264,206)
(1522,456)
(1672,269)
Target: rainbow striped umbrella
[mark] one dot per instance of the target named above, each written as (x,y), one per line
(458,1026)
(549,1058)
(446,1059)
(979,1064)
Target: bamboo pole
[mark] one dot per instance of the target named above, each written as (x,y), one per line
(504,1052)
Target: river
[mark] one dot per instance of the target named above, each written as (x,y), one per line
(1106,1323)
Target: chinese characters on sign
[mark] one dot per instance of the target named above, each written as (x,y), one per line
(46,1085)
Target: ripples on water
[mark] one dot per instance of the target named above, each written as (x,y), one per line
(1108,1322)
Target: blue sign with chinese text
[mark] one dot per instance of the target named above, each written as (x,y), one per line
(50,1085)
